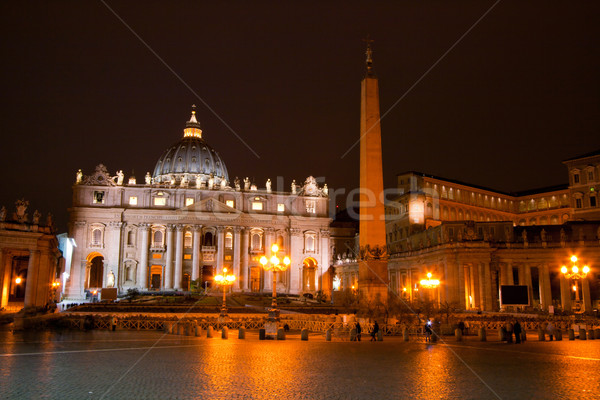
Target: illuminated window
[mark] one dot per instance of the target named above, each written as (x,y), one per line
(133,200)
(160,201)
(188,201)
(280,207)
(187,256)
(257,205)
(311,206)
(98,197)
(228,240)
(230,203)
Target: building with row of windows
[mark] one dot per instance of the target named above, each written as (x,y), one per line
(187,221)
(475,239)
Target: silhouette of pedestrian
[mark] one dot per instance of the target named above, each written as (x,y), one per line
(358,330)
(374,332)
(517,331)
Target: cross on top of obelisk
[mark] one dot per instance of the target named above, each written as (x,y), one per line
(369,54)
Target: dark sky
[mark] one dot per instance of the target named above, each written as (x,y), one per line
(519,93)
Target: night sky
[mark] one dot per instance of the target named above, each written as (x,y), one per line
(519,93)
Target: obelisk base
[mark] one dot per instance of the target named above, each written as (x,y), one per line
(373,279)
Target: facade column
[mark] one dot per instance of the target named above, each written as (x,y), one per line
(503,274)
(268,275)
(244,258)
(76,280)
(112,261)
(545,291)
(220,248)
(196,252)
(178,257)
(325,259)
(295,252)
(585,294)
(485,286)
(143,267)
(169,262)
(32,278)
(509,273)
(474,292)
(565,293)
(236,257)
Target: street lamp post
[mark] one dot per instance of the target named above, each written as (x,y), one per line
(225,280)
(575,274)
(276,265)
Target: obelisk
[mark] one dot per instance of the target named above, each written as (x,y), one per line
(372,265)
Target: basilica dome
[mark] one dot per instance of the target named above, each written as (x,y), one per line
(190,159)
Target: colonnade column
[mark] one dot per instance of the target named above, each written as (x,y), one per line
(565,293)
(485,286)
(244,257)
(528,282)
(236,256)
(4,278)
(544,286)
(220,248)
(585,294)
(509,274)
(196,252)
(32,278)
(143,267)
(112,261)
(169,262)
(178,257)
(461,285)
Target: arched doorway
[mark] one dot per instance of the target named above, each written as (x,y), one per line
(255,275)
(95,270)
(309,272)
(19,278)
(185,283)
(207,275)
(156,277)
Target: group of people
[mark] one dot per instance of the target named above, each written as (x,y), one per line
(513,327)
(374,332)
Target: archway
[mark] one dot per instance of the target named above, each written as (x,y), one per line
(155,277)
(95,271)
(185,283)
(309,272)
(207,275)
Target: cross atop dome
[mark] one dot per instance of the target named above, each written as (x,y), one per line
(192,127)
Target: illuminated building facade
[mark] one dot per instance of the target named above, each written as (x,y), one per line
(187,221)
(29,259)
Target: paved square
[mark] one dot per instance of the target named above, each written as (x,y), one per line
(150,365)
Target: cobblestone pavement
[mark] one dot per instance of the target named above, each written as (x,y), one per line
(150,365)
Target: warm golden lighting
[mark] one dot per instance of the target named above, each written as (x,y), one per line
(586,269)
(574,288)
(274,248)
(18,280)
(564,269)
(264,261)
(275,264)
(574,258)
(286,260)
(429,283)
(404,289)
(575,269)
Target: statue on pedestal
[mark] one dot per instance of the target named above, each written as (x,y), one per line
(36,217)
(148,178)
(237,183)
(246,183)
(211,181)
(268,185)
(79,176)
(293,186)
(223,184)
(120,176)
(198,181)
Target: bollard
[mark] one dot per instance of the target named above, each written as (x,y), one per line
(597,333)
(558,335)
(209,332)
(380,336)
(571,334)
(280,334)
(262,334)
(482,334)
(502,334)
(590,334)
(405,334)
(523,335)
(458,335)
(541,335)
(198,330)
(189,329)
(353,335)
(167,327)
(180,328)
(225,333)
(242,333)
(328,335)
(582,334)
(304,334)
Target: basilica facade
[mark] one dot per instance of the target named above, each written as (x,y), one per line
(187,221)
